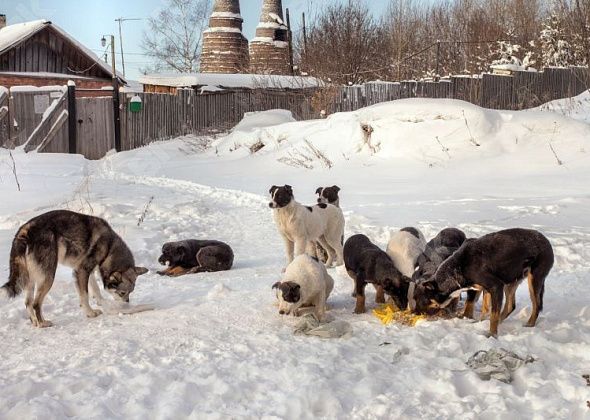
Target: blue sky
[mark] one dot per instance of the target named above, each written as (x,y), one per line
(87,21)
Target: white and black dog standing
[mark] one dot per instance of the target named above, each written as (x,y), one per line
(301,226)
(326,195)
(329,195)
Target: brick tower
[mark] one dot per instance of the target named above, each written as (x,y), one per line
(269,50)
(225,49)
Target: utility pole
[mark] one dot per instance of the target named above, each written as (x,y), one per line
(120,20)
(290,37)
(304,34)
(116,101)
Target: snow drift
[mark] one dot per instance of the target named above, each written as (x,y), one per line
(425,131)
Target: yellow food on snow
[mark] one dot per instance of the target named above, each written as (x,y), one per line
(388,313)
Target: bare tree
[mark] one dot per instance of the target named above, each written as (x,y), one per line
(344,44)
(175,34)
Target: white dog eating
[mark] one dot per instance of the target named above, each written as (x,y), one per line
(306,283)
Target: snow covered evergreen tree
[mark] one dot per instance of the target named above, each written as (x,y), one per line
(556,50)
(506,54)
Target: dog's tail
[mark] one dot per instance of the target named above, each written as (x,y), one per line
(19,273)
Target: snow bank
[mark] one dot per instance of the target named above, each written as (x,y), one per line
(577,107)
(430,132)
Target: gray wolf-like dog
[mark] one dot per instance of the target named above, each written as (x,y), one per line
(84,243)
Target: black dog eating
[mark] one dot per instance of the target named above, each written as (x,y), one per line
(367,263)
(492,263)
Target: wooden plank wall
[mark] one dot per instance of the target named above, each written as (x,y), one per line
(25,116)
(95,126)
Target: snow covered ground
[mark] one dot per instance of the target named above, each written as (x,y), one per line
(216,346)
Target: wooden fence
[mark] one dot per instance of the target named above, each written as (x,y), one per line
(520,90)
(38,116)
(165,116)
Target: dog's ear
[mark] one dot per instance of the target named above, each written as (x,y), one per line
(336,188)
(273,189)
(141,270)
(319,190)
(277,285)
(289,188)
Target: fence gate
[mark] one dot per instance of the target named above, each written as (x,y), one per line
(95,126)
(39,119)
(4,117)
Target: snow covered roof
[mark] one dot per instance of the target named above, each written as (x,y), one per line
(13,35)
(250,81)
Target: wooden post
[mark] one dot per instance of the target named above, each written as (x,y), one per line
(436,76)
(117,114)
(72,117)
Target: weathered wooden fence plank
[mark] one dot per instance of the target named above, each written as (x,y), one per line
(96,129)
(59,122)
(496,92)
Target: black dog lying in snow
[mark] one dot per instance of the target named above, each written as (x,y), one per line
(492,262)
(195,256)
(366,263)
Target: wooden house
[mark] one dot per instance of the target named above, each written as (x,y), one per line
(39,53)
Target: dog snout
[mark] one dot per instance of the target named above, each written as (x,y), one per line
(319,200)
(281,312)
(271,205)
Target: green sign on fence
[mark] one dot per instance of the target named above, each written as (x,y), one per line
(135,105)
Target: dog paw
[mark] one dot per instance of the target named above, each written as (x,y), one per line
(489,334)
(41,324)
(93,313)
(359,311)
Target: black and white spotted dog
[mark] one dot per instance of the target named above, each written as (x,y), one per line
(326,195)
(329,195)
(302,226)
